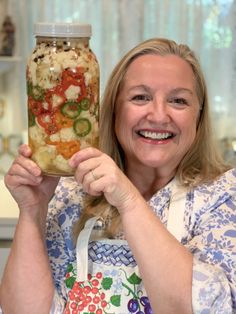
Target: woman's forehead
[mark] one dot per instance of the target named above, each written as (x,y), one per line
(151,70)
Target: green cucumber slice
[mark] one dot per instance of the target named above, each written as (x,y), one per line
(84,104)
(82,127)
(71,109)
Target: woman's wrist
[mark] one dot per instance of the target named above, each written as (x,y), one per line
(129,205)
(35,216)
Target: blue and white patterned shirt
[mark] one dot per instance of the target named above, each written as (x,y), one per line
(209,233)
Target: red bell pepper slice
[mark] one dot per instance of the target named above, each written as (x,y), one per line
(57,91)
(70,78)
(76,78)
(36,106)
(47,121)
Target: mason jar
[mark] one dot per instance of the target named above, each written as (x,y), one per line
(62,94)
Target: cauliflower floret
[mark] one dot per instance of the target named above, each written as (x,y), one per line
(62,164)
(44,156)
(94,70)
(68,59)
(56,68)
(68,134)
(55,137)
(72,92)
(82,60)
(87,78)
(47,59)
(41,49)
(37,135)
(56,101)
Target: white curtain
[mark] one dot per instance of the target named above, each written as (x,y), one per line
(207,26)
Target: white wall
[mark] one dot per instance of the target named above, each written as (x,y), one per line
(8,219)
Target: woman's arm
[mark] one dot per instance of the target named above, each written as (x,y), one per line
(164,263)
(27,285)
(27,282)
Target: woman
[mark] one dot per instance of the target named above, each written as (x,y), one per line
(157,167)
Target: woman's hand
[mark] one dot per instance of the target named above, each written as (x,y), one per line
(32,192)
(99,174)
(25,182)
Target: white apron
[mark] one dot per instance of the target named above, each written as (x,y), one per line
(105,278)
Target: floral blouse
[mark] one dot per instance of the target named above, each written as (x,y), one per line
(209,234)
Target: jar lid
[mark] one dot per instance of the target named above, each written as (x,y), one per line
(62,29)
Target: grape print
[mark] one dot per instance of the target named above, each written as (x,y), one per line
(144,301)
(136,303)
(148,309)
(133,305)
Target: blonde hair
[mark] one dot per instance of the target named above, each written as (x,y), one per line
(202,163)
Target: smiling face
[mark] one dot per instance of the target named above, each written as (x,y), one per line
(157,112)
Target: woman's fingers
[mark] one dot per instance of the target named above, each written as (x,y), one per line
(25,168)
(15,181)
(83,155)
(27,164)
(98,174)
(84,161)
(23,159)
(24,150)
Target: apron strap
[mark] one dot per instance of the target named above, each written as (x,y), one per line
(175,223)
(82,249)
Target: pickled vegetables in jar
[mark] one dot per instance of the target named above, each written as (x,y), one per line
(63,95)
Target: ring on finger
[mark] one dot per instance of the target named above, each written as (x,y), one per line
(93,175)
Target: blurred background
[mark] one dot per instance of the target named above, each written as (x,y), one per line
(207,26)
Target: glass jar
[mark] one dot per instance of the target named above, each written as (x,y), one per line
(63,95)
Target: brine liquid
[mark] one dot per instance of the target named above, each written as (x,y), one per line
(63,103)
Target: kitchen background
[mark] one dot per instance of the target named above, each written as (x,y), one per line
(208,26)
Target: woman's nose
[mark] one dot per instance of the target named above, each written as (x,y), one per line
(159,111)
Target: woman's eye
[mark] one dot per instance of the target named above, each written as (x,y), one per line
(179,101)
(140,98)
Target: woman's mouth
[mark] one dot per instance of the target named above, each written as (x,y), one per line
(155,135)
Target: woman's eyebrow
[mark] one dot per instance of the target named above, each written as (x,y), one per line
(181,89)
(171,91)
(141,86)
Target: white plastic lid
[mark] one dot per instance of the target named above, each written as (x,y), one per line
(62,29)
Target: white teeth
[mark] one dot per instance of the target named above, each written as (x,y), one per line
(155,135)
